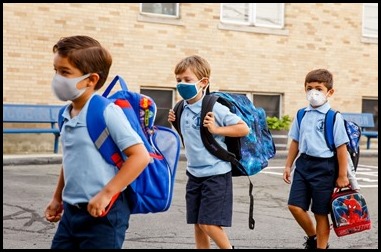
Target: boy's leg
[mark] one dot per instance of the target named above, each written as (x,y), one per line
(303,219)
(217,234)
(202,239)
(322,230)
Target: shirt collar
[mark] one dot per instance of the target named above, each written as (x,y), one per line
(322,109)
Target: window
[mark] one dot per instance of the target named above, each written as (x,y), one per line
(160,9)
(370,20)
(164,101)
(253,14)
(370,105)
(269,102)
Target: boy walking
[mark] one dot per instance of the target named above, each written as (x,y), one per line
(87,182)
(317,169)
(209,191)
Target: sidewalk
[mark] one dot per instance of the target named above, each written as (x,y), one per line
(51,158)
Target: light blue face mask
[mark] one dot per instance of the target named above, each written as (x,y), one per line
(188,90)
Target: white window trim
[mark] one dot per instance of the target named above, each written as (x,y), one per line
(364,34)
(252,15)
(177,16)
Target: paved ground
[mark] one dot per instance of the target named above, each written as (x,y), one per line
(28,186)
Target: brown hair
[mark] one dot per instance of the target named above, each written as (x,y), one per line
(86,54)
(320,76)
(198,65)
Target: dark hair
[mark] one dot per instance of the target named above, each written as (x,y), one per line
(86,54)
(320,76)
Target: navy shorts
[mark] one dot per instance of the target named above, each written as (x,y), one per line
(314,179)
(79,230)
(209,200)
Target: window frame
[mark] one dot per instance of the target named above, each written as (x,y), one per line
(162,15)
(367,20)
(252,15)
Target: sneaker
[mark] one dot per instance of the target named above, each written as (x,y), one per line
(310,243)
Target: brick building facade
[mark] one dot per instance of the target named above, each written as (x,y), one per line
(145,49)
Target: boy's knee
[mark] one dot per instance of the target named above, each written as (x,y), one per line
(295,209)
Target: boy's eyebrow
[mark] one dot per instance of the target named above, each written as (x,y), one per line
(63,68)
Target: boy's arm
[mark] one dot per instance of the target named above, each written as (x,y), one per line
(137,159)
(53,210)
(236,130)
(342,179)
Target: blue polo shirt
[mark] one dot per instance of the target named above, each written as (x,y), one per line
(310,135)
(85,170)
(200,162)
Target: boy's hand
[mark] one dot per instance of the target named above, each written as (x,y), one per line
(286,175)
(342,181)
(209,122)
(53,211)
(171,116)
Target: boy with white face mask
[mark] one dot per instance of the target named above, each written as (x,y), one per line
(87,183)
(209,190)
(315,174)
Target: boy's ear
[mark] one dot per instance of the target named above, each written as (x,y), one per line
(205,81)
(93,79)
(330,92)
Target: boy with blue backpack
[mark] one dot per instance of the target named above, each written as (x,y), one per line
(209,190)
(318,169)
(87,183)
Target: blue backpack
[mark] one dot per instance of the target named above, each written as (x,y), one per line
(352,129)
(152,190)
(249,154)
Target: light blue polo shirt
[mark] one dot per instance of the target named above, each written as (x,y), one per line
(200,162)
(310,135)
(85,170)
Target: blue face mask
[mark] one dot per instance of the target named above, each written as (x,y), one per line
(188,90)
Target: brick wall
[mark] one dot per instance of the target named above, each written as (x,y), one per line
(316,35)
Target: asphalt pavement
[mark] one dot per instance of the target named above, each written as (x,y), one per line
(29,181)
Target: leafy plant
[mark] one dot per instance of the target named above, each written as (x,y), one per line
(275,123)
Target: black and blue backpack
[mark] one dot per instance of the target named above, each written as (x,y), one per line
(152,190)
(249,154)
(352,129)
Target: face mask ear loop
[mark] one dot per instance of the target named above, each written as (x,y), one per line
(207,91)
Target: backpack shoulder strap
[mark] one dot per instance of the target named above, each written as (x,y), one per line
(300,114)
(178,109)
(330,119)
(207,138)
(97,128)
(60,117)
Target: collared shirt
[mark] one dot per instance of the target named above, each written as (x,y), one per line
(310,135)
(85,171)
(201,162)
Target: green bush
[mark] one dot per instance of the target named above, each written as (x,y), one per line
(275,123)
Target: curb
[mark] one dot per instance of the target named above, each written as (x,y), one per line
(43,159)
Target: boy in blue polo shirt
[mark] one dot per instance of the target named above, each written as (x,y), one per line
(315,174)
(209,190)
(86,181)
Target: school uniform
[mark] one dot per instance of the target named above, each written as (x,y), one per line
(85,174)
(315,172)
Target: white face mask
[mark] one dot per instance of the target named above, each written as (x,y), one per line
(316,98)
(66,88)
